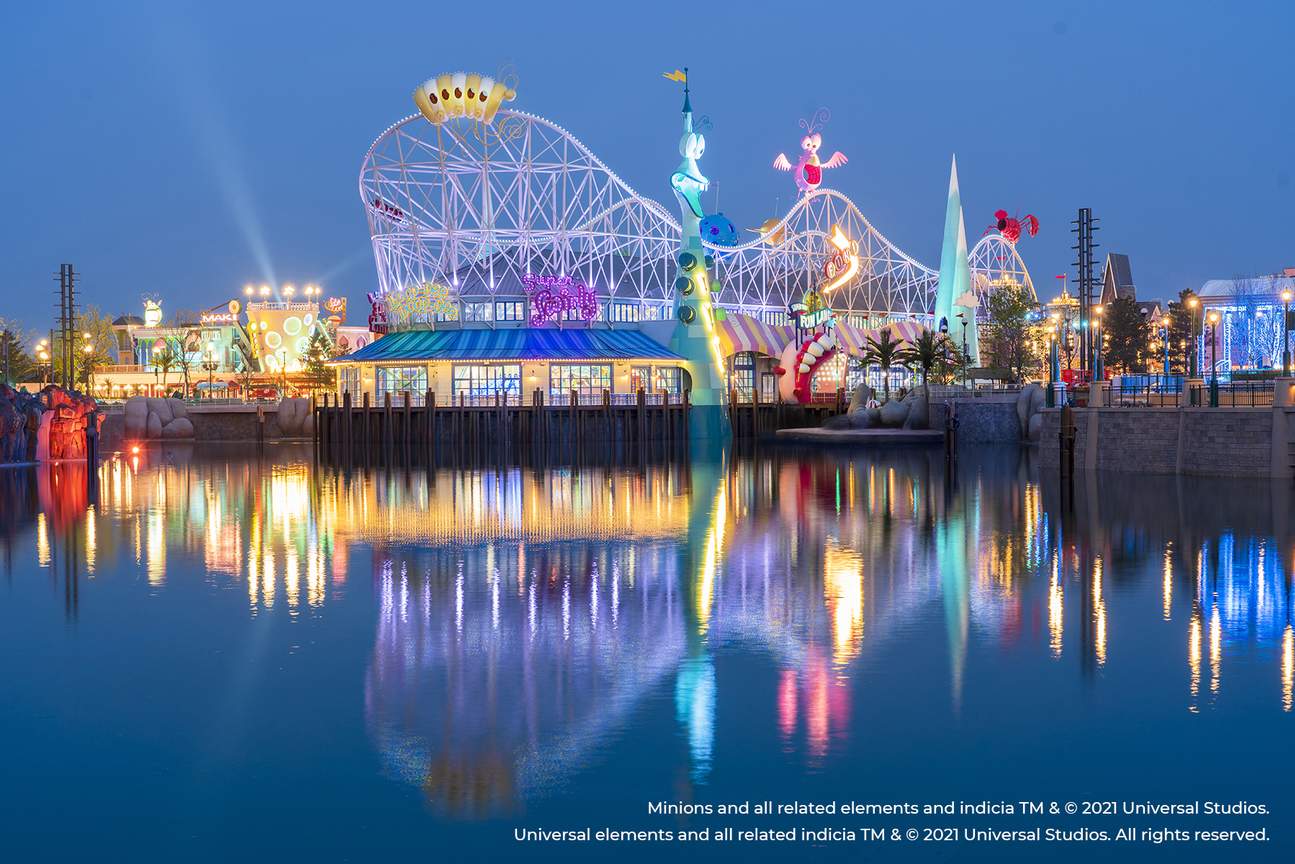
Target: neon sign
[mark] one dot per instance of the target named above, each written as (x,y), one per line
(423,303)
(553,296)
(842,263)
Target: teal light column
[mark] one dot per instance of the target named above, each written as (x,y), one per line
(696,337)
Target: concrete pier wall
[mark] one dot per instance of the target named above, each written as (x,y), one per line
(1220,442)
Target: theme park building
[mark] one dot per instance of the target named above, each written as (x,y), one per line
(511,260)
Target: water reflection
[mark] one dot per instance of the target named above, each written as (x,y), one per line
(526,620)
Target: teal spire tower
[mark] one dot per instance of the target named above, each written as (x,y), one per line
(696,337)
(954,295)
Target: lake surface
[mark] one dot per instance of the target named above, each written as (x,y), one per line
(226,656)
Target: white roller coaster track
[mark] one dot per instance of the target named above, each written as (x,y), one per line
(479,207)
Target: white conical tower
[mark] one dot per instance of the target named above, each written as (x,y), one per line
(954,295)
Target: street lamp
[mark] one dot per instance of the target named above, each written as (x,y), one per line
(157,351)
(944,338)
(962,316)
(1192,303)
(42,354)
(1213,320)
(1285,328)
(88,350)
(1099,371)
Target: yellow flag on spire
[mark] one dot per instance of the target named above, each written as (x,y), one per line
(677,75)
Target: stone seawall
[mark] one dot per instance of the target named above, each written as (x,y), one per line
(1221,442)
(210,423)
(987,421)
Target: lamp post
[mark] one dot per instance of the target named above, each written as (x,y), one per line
(1213,320)
(1099,371)
(1285,329)
(43,355)
(944,338)
(1192,303)
(963,317)
(156,352)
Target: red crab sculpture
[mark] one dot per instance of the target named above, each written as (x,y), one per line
(1010,227)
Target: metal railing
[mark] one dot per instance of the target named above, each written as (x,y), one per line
(1173,392)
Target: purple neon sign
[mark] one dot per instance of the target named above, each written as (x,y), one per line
(552,296)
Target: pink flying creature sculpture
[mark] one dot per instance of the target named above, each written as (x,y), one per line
(809,169)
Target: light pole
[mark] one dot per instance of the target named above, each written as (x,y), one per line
(43,355)
(963,317)
(156,352)
(944,337)
(1213,320)
(1098,371)
(1192,303)
(1285,328)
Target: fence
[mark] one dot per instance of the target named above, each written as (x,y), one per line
(416,428)
(1173,392)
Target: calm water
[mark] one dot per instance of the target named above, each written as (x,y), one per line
(226,658)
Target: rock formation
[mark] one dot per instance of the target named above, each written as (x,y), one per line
(48,425)
(1028,405)
(295,419)
(150,417)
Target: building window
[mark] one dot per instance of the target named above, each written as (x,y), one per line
(510,310)
(743,378)
(667,378)
(476,311)
(621,312)
(589,380)
(483,381)
(640,379)
(398,380)
(348,381)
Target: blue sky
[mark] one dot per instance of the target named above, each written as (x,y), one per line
(185,149)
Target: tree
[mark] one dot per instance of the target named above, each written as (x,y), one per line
(1183,328)
(925,353)
(101,342)
(1125,335)
(884,351)
(1007,330)
(16,364)
(1254,328)
(182,335)
(319,350)
(164,358)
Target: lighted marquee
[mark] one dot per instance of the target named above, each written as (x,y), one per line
(415,305)
(551,297)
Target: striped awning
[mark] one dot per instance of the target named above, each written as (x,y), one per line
(740,333)
(525,343)
(855,339)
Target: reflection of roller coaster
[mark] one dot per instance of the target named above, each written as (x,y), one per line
(480,207)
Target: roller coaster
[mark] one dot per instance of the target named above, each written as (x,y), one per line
(479,207)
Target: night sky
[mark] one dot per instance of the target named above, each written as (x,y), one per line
(184,150)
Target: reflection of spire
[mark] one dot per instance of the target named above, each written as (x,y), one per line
(694,699)
(951,556)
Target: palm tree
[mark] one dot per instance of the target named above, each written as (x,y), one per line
(925,353)
(885,351)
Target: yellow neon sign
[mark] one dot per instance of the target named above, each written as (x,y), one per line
(843,263)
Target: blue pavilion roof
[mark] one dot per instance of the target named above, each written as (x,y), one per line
(511,344)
